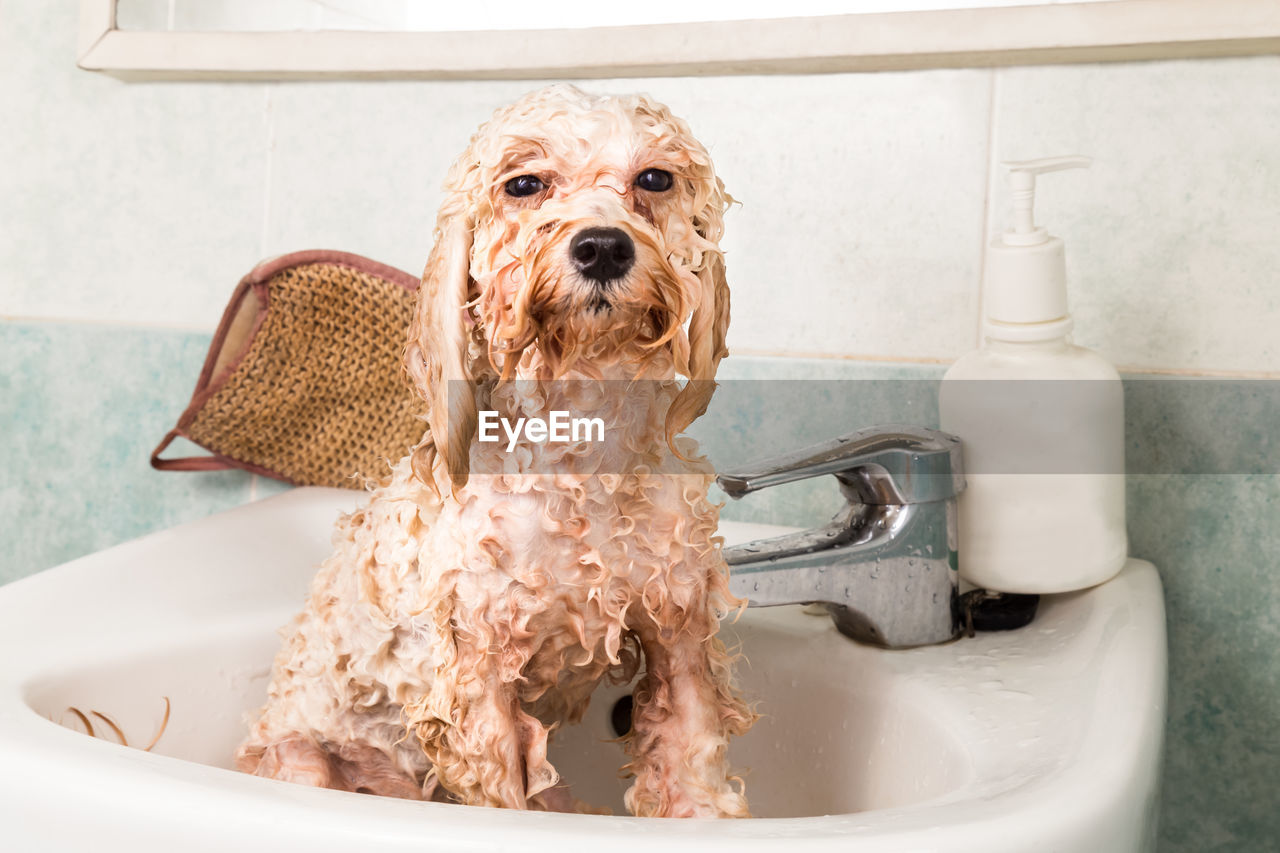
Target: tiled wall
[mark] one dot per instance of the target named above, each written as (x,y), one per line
(128,211)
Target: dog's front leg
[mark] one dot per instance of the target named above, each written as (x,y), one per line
(685,712)
(486,750)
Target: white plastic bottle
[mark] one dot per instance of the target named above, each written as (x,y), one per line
(1042,422)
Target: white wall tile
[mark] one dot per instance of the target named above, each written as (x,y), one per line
(126,203)
(861,218)
(359,166)
(1172,246)
(860,227)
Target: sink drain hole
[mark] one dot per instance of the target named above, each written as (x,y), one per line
(620,716)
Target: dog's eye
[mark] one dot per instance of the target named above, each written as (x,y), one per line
(524,185)
(654,180)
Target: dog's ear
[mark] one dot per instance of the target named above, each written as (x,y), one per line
(709,323)
(436,355)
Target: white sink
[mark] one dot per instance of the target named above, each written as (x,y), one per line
(1045,739)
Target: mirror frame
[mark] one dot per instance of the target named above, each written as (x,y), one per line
(965,38)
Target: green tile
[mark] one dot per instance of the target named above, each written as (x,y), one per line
(1215,540)
(768,406)
(81,408)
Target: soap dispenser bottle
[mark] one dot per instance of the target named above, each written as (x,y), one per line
(1042,422)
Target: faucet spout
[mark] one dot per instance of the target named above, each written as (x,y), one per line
(885,565)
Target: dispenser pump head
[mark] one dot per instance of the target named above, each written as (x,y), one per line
(1022,185)
(1026,266)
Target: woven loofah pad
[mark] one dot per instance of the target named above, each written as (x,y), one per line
(304,380)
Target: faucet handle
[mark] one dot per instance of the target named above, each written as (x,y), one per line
(883,465)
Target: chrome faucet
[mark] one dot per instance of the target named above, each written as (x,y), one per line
(885,566)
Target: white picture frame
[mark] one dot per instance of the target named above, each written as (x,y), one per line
(964,38)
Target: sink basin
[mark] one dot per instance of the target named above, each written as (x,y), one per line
(1047,738)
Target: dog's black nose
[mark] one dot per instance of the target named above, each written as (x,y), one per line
(602,254)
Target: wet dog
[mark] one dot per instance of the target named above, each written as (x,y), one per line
(488,587)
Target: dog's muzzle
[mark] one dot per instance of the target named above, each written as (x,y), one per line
(602,255)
